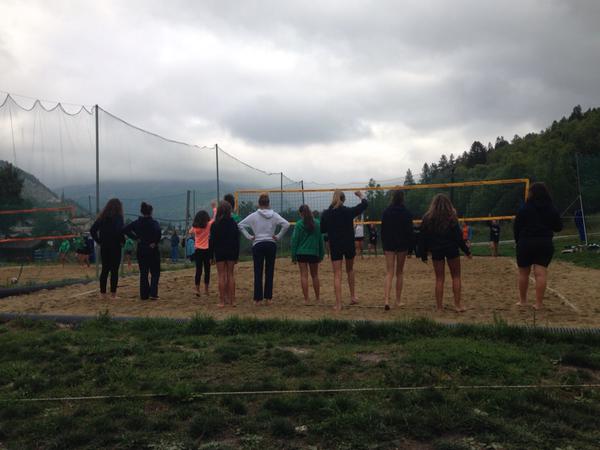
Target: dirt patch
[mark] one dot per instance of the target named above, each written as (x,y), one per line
(371,357)
(297,350)
(489,293)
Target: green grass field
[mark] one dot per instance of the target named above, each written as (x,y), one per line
(104,357)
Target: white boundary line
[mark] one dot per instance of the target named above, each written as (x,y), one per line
(555,292)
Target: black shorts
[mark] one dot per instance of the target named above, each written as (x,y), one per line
(444,253)
(534,251)
(310,259)
(495,239)
(338,254)
(373,240)
(129,252)
(359,239)
(220,257)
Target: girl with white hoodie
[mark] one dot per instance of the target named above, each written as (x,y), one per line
(263,224)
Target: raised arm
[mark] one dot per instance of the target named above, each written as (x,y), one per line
(361,207)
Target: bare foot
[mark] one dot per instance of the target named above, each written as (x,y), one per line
(399,304)
(459,308)
(521,304)
(114,296)
(221,305)
(337,308)
(354,301)
(537,307)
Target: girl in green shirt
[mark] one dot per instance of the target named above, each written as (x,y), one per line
(308,250)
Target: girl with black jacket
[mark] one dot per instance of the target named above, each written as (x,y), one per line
(107,231)
(146,231)
(534,229)
(441,235)
(397,238)
(338,223)
(224,248)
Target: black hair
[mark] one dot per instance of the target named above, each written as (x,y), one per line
(229,198)
(201,219)
(146,209)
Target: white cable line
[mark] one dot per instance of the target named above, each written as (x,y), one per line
(304,391)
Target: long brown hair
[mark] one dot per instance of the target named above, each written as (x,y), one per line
(201,219)
(539,193)
(223,211)
(397,197)
(112,209)
(441,215)
(338,199)
(307,217)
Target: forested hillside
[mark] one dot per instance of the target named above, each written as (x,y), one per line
(547,156)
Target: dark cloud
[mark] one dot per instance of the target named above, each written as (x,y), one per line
(411,77)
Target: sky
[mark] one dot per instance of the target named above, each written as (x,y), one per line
(328,91)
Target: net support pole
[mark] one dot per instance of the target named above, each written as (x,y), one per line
(217,160)
(302,186)
(96,259)
(187,210)
(194,201)
(585,235)
(281,192)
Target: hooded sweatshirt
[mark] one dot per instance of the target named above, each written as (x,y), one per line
(397,231)
(263,224)
(537,220)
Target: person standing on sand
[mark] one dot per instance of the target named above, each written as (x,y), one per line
(146,231)
(397,238)
(308,250)
(338,222)
(224,248)
(494,236)
(441,235)
(174,247)
(128,250)
(63,251)
(201,231)
(534,229)
(263,223)
(107,231)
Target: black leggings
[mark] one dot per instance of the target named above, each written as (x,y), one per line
(111,260)
(202,258)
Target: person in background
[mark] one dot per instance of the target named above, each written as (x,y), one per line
(263,224)
(107,231)
(359,237)
(372,229)
(494,236)
(146,231)
(63,251)
(338,222)
(580,224)
(417,233)
(397,238)
(224,247)
(90,249)
(189,244)
(201,231)
(467,234)
(441,235)
(229,198)
(174,247)
(81,251)
(534,227)
(308,250)
(128,249)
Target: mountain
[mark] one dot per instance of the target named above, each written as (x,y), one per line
(34,190)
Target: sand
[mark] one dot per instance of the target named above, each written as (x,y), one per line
(489,293)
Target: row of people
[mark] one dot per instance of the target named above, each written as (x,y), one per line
(217,240)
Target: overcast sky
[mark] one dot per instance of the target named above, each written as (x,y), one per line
(331,91)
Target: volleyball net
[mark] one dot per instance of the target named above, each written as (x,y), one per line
(475,201)
(37,224)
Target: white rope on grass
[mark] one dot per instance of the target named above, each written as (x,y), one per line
(305,391)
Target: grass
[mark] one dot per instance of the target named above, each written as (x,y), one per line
(41,359)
